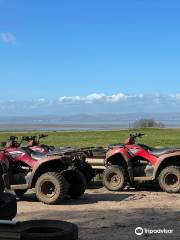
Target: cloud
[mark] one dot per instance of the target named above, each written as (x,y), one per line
(98,98)
(94,98)
(95,102)
(69,100)
(40,102)
(176,97)
(7,37)
(117,97)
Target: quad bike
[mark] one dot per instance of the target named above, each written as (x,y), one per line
(137,163)
(54,176)
(35,145)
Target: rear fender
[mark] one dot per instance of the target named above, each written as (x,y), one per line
(166,160)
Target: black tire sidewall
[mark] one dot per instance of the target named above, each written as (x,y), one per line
(77,184)
(67,231)
(87,171)
(8,206)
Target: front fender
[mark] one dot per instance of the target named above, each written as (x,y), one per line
(114,152)
(47,163)
(120,157)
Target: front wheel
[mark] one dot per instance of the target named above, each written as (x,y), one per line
(114,178)
(51,188)
(169,179)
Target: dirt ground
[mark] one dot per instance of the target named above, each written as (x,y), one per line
(101,214)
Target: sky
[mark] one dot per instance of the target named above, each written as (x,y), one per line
(66,56)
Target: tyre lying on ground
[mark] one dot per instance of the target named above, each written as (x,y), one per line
(9,230)
(48,230)
(38,230)
(8,206)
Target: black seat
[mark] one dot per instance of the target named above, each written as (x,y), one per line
(26,150)
(159,151)
(37,155)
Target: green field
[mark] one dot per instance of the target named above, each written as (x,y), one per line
(153,137)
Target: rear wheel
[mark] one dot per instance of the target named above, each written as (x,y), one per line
(51,188)
(169,179)
(114,178)
(87,171)
(77,183)
(20,192)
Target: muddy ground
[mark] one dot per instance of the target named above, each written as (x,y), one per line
(101,214)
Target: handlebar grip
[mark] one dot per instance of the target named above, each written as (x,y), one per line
(13,138)
(43,135)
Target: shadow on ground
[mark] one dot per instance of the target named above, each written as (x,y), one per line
(126,194)
(86,199)
(95,185)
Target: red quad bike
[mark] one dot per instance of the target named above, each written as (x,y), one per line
(85,168)
(137,163)
(54,176)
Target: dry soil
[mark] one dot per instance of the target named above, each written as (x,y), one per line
(101,214)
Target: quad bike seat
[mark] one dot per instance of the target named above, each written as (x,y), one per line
(37,155)
(160,151)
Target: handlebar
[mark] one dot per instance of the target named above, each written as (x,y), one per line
(12,141)
(136,135)
(13,138)
(34,138)
(132,138)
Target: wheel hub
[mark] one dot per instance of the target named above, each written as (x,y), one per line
(171,180)
(48,189)
(114,179)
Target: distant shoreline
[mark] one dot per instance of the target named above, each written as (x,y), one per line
(69,127)
(58,127)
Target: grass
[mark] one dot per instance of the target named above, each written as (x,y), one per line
(153,137)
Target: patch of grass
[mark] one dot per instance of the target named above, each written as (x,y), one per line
(153,137)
